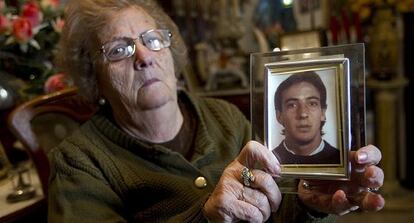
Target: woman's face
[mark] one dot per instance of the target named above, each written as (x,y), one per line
(143,81)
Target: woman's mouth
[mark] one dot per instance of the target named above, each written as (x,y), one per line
(150,81)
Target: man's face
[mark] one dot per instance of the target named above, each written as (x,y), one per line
(301,113)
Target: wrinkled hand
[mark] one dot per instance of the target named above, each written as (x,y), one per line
(341,197)
(232,201)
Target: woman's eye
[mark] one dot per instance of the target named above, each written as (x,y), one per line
(117,51)
(154,43)
(120,51)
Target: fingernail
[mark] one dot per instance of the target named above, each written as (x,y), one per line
(362,156)
(278,169)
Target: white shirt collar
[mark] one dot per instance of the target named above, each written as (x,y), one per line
(317,150)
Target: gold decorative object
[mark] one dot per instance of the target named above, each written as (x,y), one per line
(383,45)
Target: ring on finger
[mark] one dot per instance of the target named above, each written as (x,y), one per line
(247,176)
(373,189)
(306,185)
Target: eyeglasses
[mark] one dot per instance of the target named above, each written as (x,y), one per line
(153,39)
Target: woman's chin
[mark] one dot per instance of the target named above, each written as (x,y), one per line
(151,104)
(153,99)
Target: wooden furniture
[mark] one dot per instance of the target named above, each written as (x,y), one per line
(51,117)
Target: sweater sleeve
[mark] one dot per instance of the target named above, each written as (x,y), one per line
(232,118)
(78,192)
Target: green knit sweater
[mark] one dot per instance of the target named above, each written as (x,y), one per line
(101,174)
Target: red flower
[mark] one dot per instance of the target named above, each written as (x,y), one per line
(4,24)
(56,82)
(22,30)
(32,12)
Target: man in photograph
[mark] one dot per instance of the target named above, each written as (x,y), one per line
(300,103)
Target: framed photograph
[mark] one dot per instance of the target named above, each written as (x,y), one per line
(307,116)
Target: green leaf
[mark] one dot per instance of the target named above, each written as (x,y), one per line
(10,40)
(24,47)
(34,44)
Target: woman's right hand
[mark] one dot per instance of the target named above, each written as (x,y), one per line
(232,200)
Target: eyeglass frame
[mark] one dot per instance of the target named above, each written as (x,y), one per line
(133,40)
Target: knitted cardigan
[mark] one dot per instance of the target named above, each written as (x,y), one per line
(101,174)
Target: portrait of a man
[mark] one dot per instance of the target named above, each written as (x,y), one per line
(300,104)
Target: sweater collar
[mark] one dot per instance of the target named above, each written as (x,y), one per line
(106,125)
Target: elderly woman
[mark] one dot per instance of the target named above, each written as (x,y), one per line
(153,153)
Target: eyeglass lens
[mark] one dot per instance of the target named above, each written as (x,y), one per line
(154,40)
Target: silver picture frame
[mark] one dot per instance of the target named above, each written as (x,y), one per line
(335,75)
(341,69)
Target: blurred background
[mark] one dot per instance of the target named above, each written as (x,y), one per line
(220,35)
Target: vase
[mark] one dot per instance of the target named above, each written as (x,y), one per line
(384,45)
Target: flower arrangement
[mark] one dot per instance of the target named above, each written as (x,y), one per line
(29,31)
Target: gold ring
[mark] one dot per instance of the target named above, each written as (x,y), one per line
(247,176)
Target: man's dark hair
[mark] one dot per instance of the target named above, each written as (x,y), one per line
(310,77)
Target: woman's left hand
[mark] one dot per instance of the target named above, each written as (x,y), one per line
(341,197)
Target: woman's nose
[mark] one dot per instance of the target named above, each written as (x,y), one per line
(143,57)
